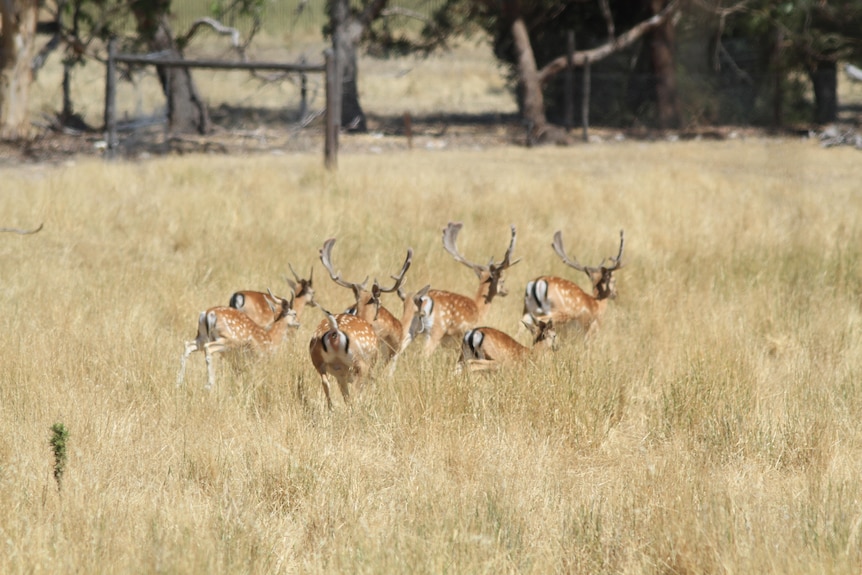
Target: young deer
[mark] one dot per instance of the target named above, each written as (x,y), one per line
(368,306)
(563,301)
(442,314)
(486,348)
(222,329)
(345,346)
(263,308)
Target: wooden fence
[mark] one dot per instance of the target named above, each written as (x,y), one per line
(330,146)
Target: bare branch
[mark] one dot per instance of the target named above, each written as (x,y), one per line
(559,64)
(22,232)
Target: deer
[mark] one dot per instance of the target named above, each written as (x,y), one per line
(442,314)
(263,308)
(367,302)
(224,329)
(487,348)
(346,347)
(564,301)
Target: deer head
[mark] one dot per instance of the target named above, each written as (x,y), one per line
(491,273)
(602,276)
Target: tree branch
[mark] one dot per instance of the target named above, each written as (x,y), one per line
(621,42)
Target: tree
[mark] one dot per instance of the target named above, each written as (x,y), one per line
(347,25)
(17,48)
(511,26)
(186,110)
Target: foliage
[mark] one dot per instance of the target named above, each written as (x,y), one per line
(59,436)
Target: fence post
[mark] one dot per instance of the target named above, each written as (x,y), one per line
(330,149)
(569,85)
(111,100)
(585,101)
(303,92)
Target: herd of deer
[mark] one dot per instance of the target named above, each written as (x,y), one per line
(348,345)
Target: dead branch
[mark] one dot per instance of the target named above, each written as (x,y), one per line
(623,41)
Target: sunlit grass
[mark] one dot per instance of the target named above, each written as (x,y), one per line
(710,426)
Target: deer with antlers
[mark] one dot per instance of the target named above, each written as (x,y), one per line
(486,348)
(367,302)
(564,301)
(223,329)
(346,347)
(442,314)
(263,308)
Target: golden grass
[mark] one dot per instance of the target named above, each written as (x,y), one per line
(711,426)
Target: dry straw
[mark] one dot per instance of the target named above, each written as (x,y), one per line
(711,425)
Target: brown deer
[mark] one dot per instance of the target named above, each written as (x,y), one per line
(223,329)
(346,347)
(367,302)
(486,348)
(563,301)
(263,308)
(442,314)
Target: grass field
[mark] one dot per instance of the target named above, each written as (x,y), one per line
(711,426)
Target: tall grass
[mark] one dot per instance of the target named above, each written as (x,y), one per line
(710,426)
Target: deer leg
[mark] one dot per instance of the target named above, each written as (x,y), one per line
(211,348)
(324,380)
(343,379)
(190,347)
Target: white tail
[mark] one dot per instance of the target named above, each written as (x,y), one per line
(346,347)
(223,329)
(443,314)
(486,348)
(563,301)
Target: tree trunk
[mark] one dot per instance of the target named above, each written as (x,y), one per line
(824,78)
(347,30)
(661,41)
(186,110)
(17,49)
(532,99)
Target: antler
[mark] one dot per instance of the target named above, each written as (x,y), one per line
(507,259)
(450,235)
(617,261)
(399,279)
(325,257)
(294,284)
(22,232)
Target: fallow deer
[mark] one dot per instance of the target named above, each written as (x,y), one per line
(442,314)
(367,302)
(564,301)
(346,347)
(486,348)
(222,329)
(263,308)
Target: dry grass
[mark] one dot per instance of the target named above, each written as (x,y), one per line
(712,426)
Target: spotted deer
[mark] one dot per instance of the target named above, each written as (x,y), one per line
(564,301)
(367,302)
(263,308)
(224,329)
(443,314)
(344,346)
(486,348)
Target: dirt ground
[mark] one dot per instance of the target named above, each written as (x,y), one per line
(56,144)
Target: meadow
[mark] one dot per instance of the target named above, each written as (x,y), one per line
(710,426)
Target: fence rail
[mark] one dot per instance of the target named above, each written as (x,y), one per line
(330,147)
